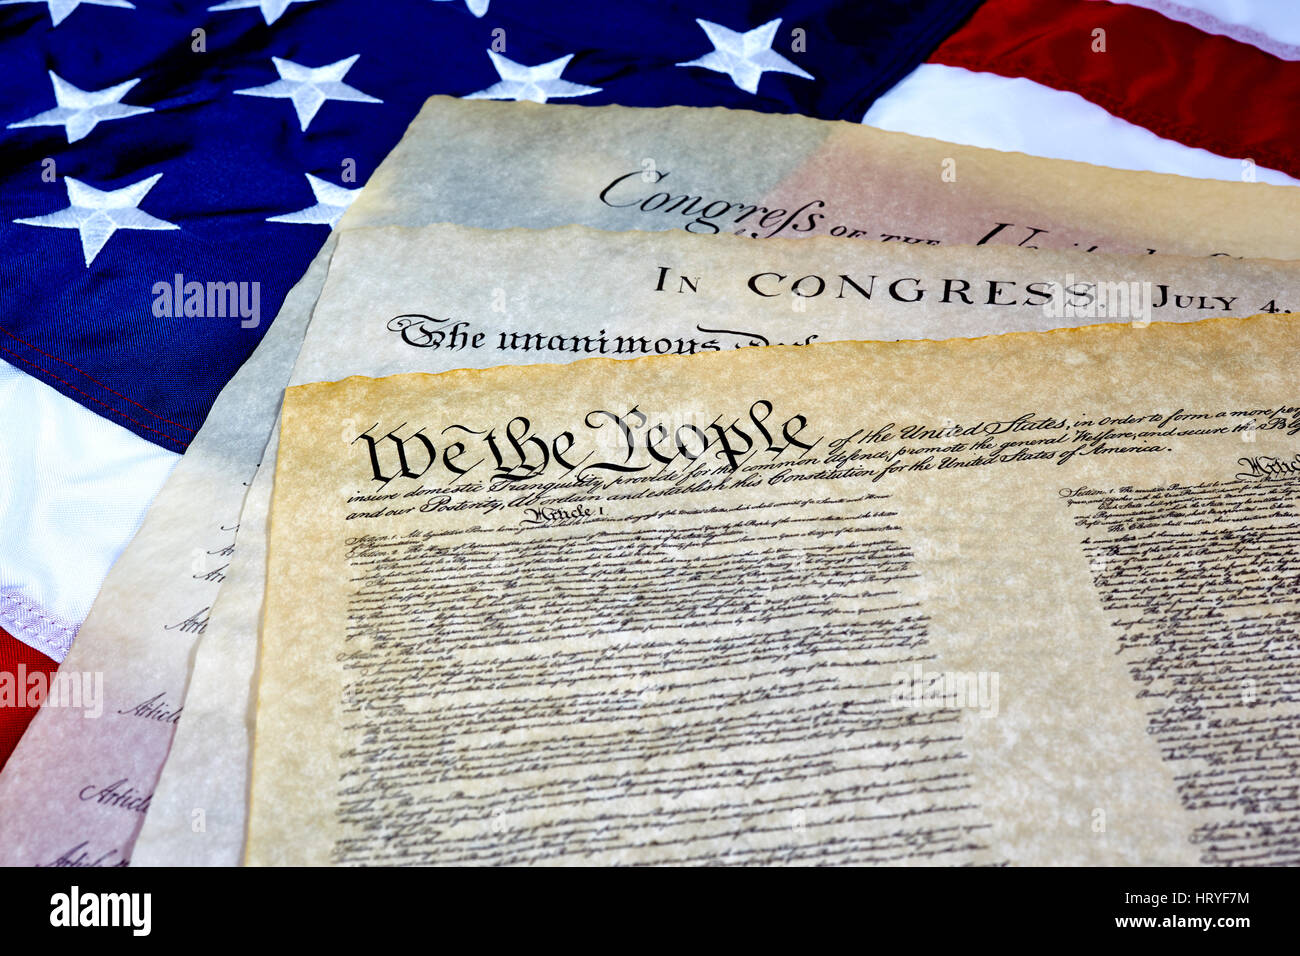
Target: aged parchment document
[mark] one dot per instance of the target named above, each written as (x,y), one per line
(521,296)
(711,171)
(75,791)
(880,186)
(1026,598)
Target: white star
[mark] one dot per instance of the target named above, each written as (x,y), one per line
(745,57)
(98,213)
(309,87)
(79,111)
(331,202)
(272,10)
(536,83)
(59,9)
(476,7)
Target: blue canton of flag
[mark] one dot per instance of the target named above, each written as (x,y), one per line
(150,145)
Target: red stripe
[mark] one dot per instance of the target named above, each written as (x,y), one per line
(1197,88)
(14,719)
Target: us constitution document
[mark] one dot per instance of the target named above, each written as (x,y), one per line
(522,296)
(1022,599)
(517,164)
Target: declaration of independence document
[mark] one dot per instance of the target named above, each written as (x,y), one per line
(501,164)
(1026,598)
(525,296)
(711,171)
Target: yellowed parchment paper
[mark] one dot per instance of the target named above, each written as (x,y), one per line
(528,296)
(1024,598)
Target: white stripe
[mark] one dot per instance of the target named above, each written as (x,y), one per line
(74,490)
(1273,26)
(1019,115)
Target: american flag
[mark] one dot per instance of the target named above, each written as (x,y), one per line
(150,143)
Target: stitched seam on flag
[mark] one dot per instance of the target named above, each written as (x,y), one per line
(116,411)
(55,649)
(1208,23)
(1118,107)
(100,384)
(34,610)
